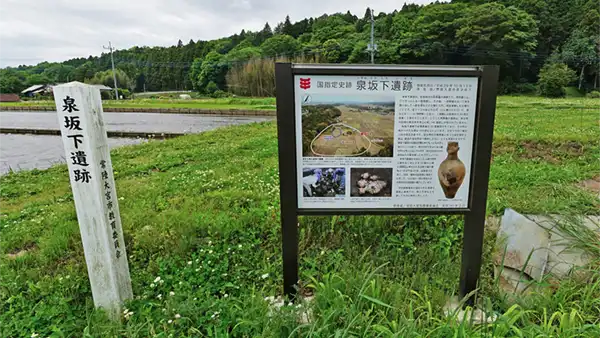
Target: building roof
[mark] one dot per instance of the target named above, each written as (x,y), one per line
(101,87)
(9,98)
(33,88)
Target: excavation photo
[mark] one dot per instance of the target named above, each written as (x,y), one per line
(368,182)
(324,182)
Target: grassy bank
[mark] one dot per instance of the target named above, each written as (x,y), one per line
(224,103)
(201,212)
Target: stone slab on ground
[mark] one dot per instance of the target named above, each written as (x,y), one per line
(522,244)
(553,251)
(453,308)
(302,307)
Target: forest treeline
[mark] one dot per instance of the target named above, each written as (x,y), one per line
(521,36)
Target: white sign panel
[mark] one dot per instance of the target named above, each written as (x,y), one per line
(79,109)
(383,141)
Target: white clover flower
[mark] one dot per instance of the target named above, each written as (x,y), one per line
(225,295)
(170,321)
(157,279)
(161,281)
(152,285)
(264,276)
(210,251)
(239,246)
(189,262)
(33,335)
(209,242)
(197,269)
(195,298)
(125,311)
(214,315)
(159,296)
(177,316)
(171,293)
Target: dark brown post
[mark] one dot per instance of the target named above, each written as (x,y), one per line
(286,133)
(482,150)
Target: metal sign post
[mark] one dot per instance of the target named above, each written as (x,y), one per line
(385,140)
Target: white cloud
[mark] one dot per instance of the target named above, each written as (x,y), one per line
(32,31)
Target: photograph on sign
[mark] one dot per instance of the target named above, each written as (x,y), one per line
(401,142)
(344,125)
(324,182)
(371,182)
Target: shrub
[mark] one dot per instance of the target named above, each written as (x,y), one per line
(107,95)
(211,87)
(573,91)
(594,94)
(125,93)
(509,86)
(219,93)
(553,78)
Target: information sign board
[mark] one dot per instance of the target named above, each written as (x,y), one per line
(385,140)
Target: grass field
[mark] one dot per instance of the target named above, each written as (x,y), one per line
(202,213)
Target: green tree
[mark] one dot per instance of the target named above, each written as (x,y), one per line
(83,72)
(212,69)
(194,73)
(243,54)
(282,45)
(329,27)
(590,18)
(495,34)
(59,73)
(331,51)
(580,52)
(11,81)
(263,35)
(35,79)
(287,26)
(554,77)
(430,36)
(359,53)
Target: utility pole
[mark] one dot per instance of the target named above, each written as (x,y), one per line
(112,61)
(372,47)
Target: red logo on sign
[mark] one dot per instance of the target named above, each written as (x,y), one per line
(305,83)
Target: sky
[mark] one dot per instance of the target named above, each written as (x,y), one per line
(32,31)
